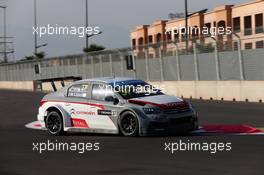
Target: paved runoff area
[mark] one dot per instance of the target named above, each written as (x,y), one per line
(25,151)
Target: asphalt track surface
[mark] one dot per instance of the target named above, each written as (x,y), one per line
(120,155)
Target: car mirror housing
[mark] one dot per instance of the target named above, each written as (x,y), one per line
(112,99)
(116,101)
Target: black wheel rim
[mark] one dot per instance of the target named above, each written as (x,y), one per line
(53,124)
(128,124)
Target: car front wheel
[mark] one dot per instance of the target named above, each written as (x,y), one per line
(129,125)
(54,123)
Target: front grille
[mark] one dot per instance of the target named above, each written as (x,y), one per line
(155,125)
(176,111)
(177,107)
(180,120)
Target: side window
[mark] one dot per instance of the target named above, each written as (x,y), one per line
(79,90)
(101,91)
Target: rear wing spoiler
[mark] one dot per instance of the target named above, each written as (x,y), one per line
(38,83)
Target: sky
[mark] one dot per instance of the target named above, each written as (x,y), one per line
(116,18)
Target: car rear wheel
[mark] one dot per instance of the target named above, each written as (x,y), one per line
(54,123)
(129,125)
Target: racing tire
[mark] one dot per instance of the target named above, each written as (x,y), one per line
(128,124)
(54,123)
(196,124)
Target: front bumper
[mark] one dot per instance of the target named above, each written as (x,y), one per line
(173,125)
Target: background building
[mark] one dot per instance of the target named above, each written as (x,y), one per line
(245,20)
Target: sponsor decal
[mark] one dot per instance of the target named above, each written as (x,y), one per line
(107,112)
(79,123)
(176,105)
(85,112)
(73,112)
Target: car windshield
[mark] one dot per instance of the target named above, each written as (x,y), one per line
(135,89)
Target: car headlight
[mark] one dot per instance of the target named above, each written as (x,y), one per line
(151,110)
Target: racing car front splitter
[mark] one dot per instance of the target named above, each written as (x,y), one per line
(36,125)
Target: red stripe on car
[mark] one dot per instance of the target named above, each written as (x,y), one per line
(174,105)
(42,102)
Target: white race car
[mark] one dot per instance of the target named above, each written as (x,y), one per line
(115,105)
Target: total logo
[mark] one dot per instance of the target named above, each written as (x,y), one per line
(80,123)
(73,112)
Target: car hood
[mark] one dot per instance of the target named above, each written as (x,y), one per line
(159,99)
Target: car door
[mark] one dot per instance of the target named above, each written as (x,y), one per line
(77,105)
(106,113)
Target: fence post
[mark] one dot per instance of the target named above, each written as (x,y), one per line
(68,67)
(111,64)
(101,65)
(83,68)
(76,67)
(146,63)
(195,62)
(217,65)
(122,64)
(62,67)
(86,73)
(178,62)
(161,64)
(92,64)
(38,76)
(240,60)
(6,72)
(134,64)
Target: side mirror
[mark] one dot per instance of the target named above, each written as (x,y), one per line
(112,99)
(116,101)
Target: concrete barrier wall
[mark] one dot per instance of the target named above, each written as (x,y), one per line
(17,85)
(252,91)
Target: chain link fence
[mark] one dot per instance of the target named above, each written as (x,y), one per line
(206,59)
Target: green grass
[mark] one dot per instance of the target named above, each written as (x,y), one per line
(261,129)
